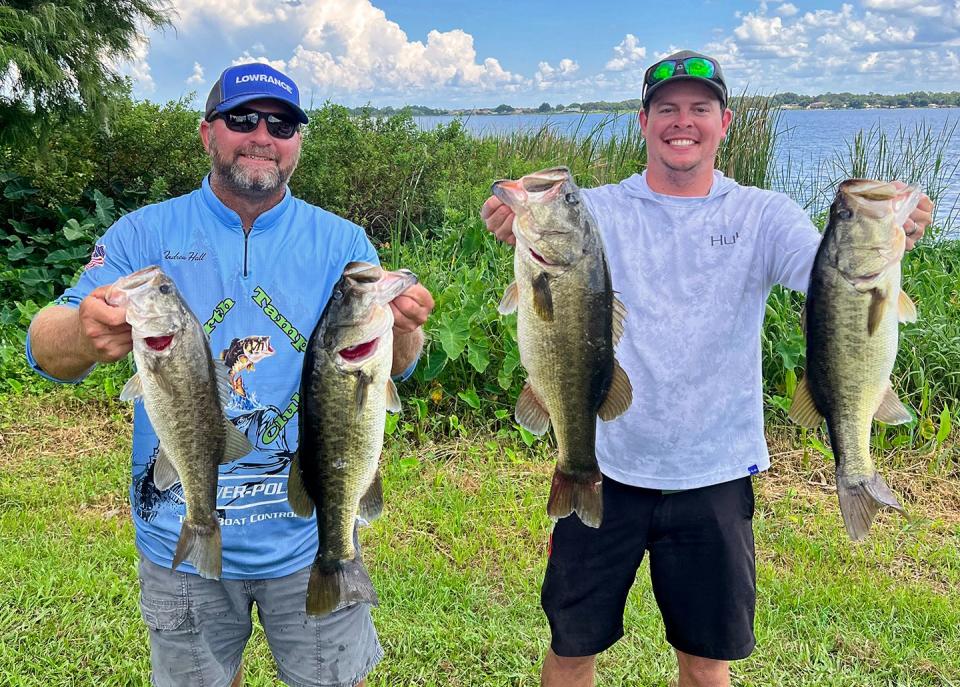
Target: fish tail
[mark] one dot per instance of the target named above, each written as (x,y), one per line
(861,501)
(199,545)
(343,582)
(579,493)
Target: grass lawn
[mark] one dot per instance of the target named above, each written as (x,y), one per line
(457,560)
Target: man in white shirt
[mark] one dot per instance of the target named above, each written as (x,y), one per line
(693,256)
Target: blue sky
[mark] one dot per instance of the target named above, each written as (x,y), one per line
(475,54)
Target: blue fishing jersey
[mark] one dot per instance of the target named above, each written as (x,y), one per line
(259,297)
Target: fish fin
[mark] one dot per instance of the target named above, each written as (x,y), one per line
(508,303)
(543,297)
(530,413)
(236,443)
(891,410)
(580,494)
(393,396)
(861,501)
(224,385)
(619,395)
(297,496)
(133,389)
(165,473)
(363,386)
(199,545)
(619,315)
(906,308)
(332,587)
(803,410)
(878,304)
(371,504)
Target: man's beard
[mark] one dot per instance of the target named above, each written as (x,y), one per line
(255,183)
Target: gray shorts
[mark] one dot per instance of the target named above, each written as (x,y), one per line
(198,629)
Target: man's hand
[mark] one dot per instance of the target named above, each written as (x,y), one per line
(411,309)
(918,220)
(103,328)
(499,219)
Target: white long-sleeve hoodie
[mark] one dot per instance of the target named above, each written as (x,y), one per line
(694,274)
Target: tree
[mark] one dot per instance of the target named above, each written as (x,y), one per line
(502,109)
(544,107)
(57,58)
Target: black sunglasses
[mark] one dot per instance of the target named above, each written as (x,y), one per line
(243,121)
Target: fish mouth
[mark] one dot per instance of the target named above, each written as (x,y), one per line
(880,199)
(542,260)
(159,343)
(537,187)
(360,352)
(119,292)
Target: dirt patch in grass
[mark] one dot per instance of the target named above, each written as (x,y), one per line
(59,425)
(925,493)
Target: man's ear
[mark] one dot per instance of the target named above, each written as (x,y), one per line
(642,118)
(205,133)
(727,117)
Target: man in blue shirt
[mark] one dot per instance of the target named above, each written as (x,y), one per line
(256,266)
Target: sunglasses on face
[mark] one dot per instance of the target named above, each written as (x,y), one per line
(243,121)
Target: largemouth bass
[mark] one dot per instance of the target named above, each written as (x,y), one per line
(345,392)
(854,304)
(183,391)
(568,323)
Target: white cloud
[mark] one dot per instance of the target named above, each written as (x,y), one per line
(196,79)
(878,45)
(137,67)
(548,76)
(232,14)
(246,58)
(628,54)
(349,46)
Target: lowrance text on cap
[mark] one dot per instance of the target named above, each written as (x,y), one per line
(254,81)
(240,79)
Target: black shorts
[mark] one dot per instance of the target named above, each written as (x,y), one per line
(701,564)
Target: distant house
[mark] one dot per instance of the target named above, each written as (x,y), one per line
(819,105)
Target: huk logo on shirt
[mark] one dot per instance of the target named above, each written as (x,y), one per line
(723,239)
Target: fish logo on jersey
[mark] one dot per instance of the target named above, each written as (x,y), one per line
(241,356)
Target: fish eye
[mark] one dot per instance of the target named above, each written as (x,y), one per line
(844,213)
(165,289)
(571,199)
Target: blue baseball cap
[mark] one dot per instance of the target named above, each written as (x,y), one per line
(255,81)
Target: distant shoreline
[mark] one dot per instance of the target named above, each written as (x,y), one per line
(527,113)
(782,101)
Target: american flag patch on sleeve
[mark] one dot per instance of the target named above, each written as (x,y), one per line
(97,257)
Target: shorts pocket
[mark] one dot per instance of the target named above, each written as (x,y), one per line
(163,614)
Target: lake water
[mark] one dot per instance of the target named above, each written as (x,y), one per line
(812,146)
